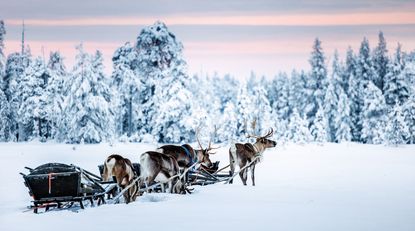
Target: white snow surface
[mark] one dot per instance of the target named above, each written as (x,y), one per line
(310,187)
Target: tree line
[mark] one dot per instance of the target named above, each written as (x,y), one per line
(368,97)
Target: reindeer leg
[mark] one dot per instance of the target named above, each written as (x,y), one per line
(146,183)
(232,165)
(163,188)
(253,174)
(243,174)
(170,186)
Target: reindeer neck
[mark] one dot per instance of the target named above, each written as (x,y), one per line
(259,149)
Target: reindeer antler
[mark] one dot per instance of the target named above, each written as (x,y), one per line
(269,133)
(209,148)
(252,136)
(197,138)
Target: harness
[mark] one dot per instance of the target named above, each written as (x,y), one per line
(189,155)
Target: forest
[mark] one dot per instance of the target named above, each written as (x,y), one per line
(366,97)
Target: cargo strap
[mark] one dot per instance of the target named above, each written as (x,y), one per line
(50,182)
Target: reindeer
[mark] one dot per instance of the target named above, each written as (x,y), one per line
(123,171)
(244,154)
(158,167)
(186,156)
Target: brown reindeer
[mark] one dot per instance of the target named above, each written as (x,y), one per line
(186,156)
(122,169)
(244,154)
(157,167)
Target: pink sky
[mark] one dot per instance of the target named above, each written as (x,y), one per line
(257,38)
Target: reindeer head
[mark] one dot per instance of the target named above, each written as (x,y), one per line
(264,140)
(108,169)
(203,154)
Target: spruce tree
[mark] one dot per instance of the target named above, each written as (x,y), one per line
(33,110)
(2,56)
(15,68)
(365,70)
(396,89)
(298,131)
(228,124)
(350,69)
(89,115)
(128,88)
(374,115)
(409,117)
(5,129)
(245,109)
(356,91)
(55,92)
(330,112)
(159,55)
(281,102)
(343,131)
(317,81)
(380,61)
(397,131)
(319,128)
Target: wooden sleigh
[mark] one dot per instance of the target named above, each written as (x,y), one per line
(61,185)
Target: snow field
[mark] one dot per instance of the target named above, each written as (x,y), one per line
(311,187)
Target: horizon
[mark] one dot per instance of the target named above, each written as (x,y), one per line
(227,37)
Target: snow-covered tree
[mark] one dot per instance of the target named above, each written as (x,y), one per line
(319,127)
(55,92)
(262,109)
(5,132)
(281,132)
(174,107)
(330,107)
(343,131)
(374,115)
(204,89)
(89,116)
(409,115)
(330,112)
(252,82)
(365,70)
(298,131)
(380,61)
(397,131)
(128,87)
(245,109)
(2,56)
(296,97)
(224,88)
(355,94)
(408,74)
(159,54)
(15,67)
(281,101)
(33,110)
(349,70)
(395,88)
(228,124)
(317,81)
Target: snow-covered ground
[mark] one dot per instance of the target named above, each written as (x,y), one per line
(310,187)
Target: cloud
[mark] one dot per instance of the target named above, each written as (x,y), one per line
(375,18)
(52,9)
